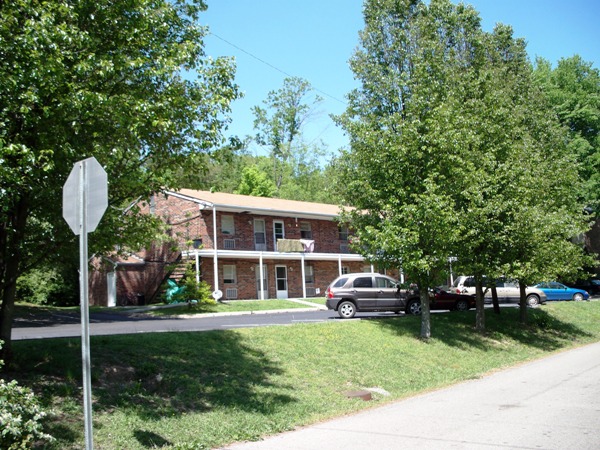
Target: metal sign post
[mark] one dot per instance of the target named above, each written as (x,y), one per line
(85,198)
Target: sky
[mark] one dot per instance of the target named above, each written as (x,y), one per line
(314,39)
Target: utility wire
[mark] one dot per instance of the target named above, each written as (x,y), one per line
(274,67)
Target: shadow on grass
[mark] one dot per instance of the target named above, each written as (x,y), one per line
(152,376)
(543,330)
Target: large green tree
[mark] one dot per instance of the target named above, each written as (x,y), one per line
(404,165)
(279,126)
(126,82)
(573,90)
(453,152)
(520,208)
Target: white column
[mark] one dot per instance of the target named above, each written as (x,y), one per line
(197,267)
(262,277)
(340,265)
(215,259)
(303,278)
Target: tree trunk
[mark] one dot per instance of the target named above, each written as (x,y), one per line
(14,233)
(425,313)
(495,299)
(480,306)
(522,303)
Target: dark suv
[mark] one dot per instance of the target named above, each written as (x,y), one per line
(354,292)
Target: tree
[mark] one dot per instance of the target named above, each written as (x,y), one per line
(255,182)
(519,201)
(126,82)
(573,90)
(402,171)
(453,152)
(279,126)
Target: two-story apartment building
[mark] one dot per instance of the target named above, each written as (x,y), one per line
(245,247)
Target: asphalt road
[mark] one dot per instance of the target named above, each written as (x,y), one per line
(68,325)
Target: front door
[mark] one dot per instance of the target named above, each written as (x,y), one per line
(281,281)
(265,284)
(278,232)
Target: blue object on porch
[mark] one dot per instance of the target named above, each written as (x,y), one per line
(172,291)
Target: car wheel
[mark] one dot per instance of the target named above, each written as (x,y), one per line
(347,310)
(532,300)
(413,307)
(577,297)
(461,305)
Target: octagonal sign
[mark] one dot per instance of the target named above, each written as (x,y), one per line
(86,188)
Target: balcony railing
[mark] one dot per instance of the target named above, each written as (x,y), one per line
(295,245)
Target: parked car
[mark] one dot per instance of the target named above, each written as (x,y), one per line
(354,292)
(508,291)
(360,292)
(440,299)
(591,286)
(558,291)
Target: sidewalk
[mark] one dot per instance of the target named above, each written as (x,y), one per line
(552,403)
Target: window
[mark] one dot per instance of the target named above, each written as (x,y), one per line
(229,274)
(340,282)
(305,230)
(363,282)
(384,282)
(345,270)
(309,274)
(343,233)
(260,240)
(227,225)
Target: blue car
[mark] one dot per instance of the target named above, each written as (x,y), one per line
(558,291)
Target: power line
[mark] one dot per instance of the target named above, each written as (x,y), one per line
(274,67)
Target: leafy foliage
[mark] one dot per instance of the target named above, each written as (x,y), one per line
(198,292)
(104,79)
(573,90)
(20,416)
(453,151)
(255,182)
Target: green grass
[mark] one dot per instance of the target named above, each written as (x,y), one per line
(207,389)
(232,306)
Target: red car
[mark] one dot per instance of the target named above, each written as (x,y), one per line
(439,299)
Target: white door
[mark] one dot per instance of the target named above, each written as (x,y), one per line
(265,284)
(260,238)
(281,281)
(278,231)
(111,282)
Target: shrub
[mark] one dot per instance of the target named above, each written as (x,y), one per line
(198,293)
(49,285)
(20,416)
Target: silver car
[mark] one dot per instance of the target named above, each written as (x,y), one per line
(356,292)
(508,291)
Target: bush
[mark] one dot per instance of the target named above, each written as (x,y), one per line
(57,286)
(198,293)
(20,416)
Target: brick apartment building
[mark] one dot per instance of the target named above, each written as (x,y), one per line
(245,247)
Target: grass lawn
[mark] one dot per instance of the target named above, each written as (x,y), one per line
(235,306)
(204,390)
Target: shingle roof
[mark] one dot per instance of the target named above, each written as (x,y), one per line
(261,205)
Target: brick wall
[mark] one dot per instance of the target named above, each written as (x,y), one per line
(187,223)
